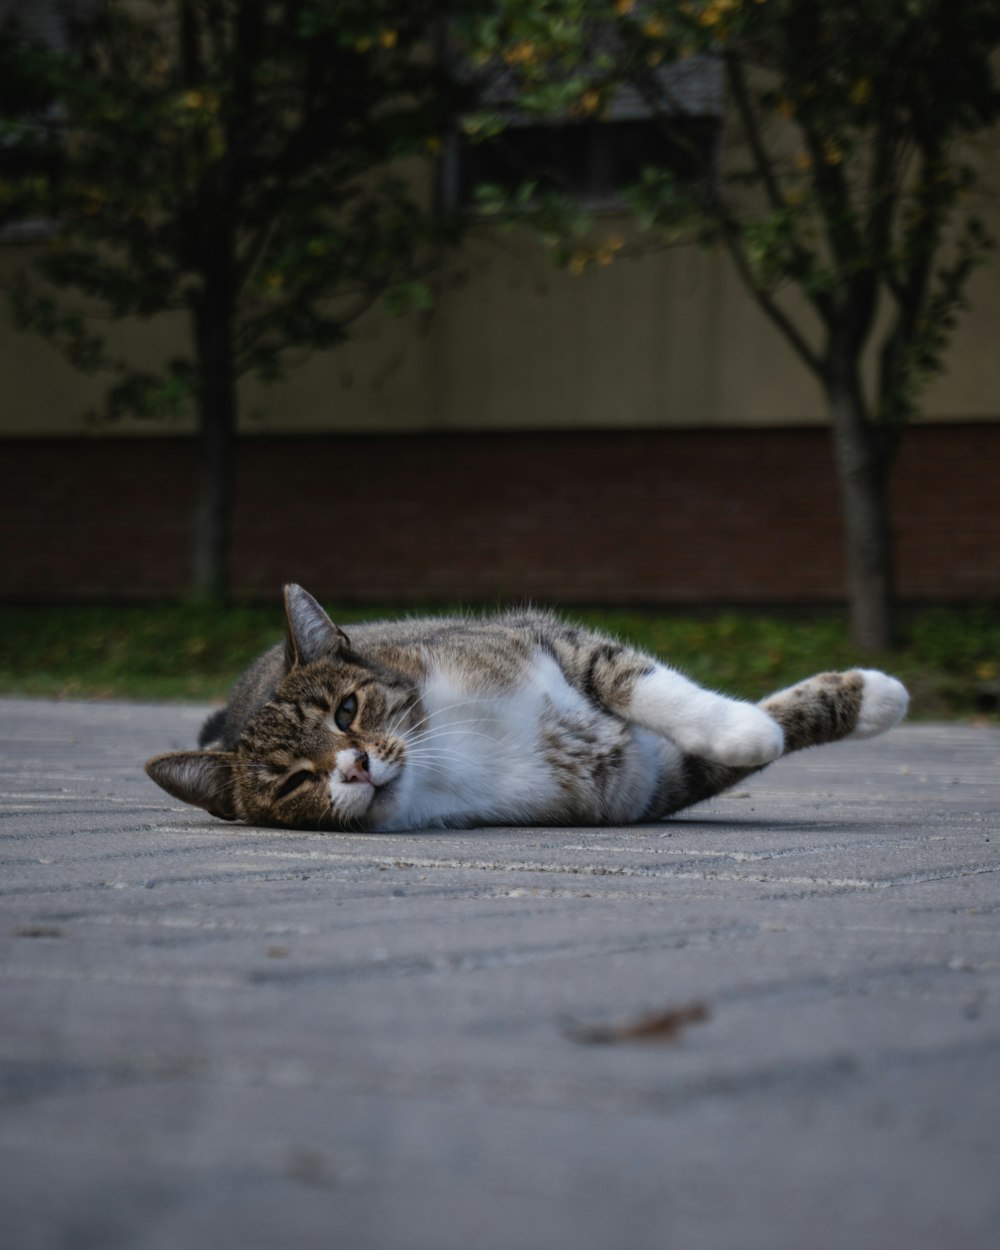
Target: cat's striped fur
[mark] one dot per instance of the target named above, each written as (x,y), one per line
(515,719)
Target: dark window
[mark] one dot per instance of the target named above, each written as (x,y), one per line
(54,22)
(594,160)
(591,160)
(31,118)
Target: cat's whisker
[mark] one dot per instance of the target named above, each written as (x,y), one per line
(438,759)
(447,742)
(470,701)
(415,761)
(432,723)
(445,739)
(414,731)
(449,707)
(455,731)
(432,766)
(443,744)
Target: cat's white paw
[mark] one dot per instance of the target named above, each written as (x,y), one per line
(884,701)
(733,733)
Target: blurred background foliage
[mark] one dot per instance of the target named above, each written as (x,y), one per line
(948,657)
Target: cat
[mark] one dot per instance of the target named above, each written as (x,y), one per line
(516,719)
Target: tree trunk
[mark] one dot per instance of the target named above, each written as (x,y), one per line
(217,406)
(862,462)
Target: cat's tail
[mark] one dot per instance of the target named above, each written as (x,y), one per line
(826,708)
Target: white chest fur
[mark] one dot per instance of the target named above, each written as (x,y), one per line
(477,757)
(476,750)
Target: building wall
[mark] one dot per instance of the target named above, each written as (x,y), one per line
(668,340)
(658,517)
(639,433)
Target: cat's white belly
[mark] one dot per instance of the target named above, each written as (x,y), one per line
(485,756)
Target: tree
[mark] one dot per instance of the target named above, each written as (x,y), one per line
(845,178)
(244,163)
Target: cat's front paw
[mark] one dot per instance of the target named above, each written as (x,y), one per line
(737,734)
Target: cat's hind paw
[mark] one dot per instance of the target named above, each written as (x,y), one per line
(884,701)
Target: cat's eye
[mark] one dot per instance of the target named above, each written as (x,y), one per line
(346,711)
(292,783)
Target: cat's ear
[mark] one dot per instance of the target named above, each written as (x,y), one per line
(204,778)
(311,633)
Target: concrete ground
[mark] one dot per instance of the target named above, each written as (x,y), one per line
(214,1036)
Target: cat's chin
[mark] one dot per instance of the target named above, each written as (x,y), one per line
(384,802)
(363,807)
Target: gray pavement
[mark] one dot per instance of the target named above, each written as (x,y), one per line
(214,1036)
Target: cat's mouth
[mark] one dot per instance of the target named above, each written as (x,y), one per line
(364,794)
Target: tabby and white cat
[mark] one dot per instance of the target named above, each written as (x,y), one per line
(516,719)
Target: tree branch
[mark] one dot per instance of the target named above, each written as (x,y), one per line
(733,239)
(802,260)
(708,200)
(762,161)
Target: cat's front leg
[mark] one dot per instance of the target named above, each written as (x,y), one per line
(701,723)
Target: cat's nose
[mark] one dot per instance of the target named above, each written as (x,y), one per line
(356,769)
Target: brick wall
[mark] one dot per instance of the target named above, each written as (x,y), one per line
(660,517)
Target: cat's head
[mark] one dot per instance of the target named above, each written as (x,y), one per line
(326,751)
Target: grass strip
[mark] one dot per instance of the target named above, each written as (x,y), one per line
(950,658)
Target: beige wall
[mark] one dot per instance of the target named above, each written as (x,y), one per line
(668,340)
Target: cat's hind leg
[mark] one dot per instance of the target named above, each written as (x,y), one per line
(654,696)
(702,723)
(857,704)
(826,708)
